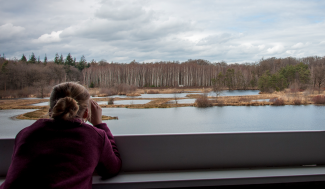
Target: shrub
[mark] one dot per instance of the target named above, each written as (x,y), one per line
(319,99)
(203,101)
(92,85)
(297,102)
(278,102)
(110,101)
(152,92)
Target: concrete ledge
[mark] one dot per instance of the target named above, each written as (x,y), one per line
(211,159)
(201,178)
(196,178)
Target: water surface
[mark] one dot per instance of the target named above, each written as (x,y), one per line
(195,120)
(235,93)
(216,119)
(126,102)
(9,127)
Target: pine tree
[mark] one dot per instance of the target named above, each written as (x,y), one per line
(69,60)
(45,59)
(61,61)
(82,63)
(23,58)
(32,59)
(38,60)
(56,59)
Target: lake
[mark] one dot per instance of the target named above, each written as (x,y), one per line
(196,120)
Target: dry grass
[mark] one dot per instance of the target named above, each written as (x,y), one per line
(133,94)
(21,103)
(104,117)
(279,102)
(297,101)
(319,99)
(193,95)
(153,92)
(35,115)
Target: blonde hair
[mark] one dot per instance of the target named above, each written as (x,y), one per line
(69,100)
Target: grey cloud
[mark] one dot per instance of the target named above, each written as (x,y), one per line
(9,31)
(217,39)
(116,10)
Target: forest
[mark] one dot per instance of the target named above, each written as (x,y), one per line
(23,77)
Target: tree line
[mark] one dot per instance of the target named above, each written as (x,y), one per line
(266,74)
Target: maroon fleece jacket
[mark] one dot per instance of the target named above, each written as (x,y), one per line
(62,154)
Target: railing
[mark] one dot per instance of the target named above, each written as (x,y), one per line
(182,160)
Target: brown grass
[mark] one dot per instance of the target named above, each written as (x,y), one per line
(278,102)
(133,94)
(153,92)
(104,117)
(319,99)
(297,101)
(21,103)
(34,115)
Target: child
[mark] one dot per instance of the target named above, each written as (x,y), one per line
(64,151)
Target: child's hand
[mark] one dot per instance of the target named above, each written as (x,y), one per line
(96,113)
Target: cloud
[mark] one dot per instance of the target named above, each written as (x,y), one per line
(49,38)
(127,22)
(218,39)
(9,31)
(275,49)
(298,45)
(117,10)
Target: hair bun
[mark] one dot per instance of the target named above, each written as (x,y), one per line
(65,108)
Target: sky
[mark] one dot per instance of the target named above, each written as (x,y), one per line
(234,31)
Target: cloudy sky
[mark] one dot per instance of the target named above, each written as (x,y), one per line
(150,30)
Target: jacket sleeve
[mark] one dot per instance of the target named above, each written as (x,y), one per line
(109,161)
